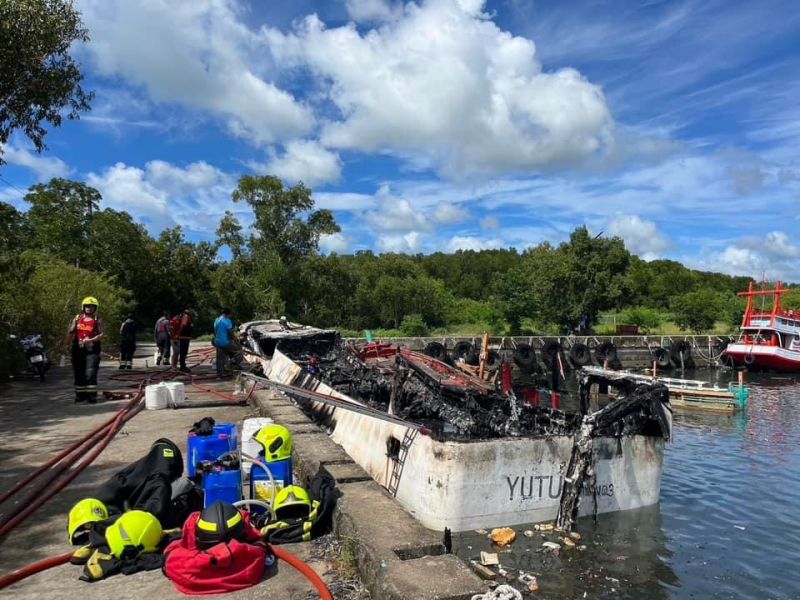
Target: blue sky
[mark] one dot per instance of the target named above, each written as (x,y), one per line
(447,124)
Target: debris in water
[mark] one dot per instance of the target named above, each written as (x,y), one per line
(530,581)
(551,546)
(503,536)
(527,533)
(575,535)
(489,558)
(481,531)
(568,541)
(483,572)
(740,527)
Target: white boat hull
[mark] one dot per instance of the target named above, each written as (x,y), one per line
(476,484)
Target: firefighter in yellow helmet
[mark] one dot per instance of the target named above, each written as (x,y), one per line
(84,335)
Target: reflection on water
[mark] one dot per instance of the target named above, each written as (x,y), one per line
(726,527)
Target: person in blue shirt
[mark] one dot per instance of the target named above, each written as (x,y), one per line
(224,340)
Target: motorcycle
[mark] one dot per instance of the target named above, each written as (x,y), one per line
(35,355)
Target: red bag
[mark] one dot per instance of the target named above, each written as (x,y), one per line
(226,567)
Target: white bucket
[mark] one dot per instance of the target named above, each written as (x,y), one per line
(156,397)
(249,446)
(176,391)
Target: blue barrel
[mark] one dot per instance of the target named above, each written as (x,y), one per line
(210,447)
(222,485)
(259,480)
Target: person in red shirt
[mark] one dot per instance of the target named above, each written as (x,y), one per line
(84,335)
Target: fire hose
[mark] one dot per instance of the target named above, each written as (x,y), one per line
(40,494)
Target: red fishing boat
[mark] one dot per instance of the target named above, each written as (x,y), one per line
(770,336)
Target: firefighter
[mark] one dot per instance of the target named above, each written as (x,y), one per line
(84,335)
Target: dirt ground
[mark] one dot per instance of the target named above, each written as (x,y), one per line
(37,420)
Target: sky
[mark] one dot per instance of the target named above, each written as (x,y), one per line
(441,125)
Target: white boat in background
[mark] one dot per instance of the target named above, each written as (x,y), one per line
(466,484)
(689,393)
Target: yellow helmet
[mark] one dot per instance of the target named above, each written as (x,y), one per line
(277,442)
(291,502)
(134,532)
(81,517)
(90,300)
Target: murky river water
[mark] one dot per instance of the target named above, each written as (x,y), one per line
(727,526)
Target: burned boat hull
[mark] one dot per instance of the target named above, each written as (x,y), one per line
(480,483)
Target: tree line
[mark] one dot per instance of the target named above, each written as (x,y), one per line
(64,247)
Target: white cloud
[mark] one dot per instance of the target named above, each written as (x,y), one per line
(450,214)
(446,86)
(306,161)
(197,54)
(466,242)
(44,167)
(373,10)
(163,195)
(641,237)
(409,243)
(347,201)
(335,242)
(397,215)
(777,244)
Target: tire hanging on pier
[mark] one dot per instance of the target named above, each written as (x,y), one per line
(525,357)
(606,352)
(466,351)
(681,354)
(661,356)
(580,355)
(549,353)
(436,350)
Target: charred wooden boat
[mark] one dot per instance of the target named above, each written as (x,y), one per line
(457,452)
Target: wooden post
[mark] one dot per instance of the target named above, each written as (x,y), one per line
(484,355)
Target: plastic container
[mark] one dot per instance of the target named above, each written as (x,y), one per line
(232,432)
(177,393)
(249,446)
(156,397)
(222,485)
(205,448)
(259,480)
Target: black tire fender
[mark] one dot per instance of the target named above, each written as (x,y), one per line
(580,355)
(436,350)
(524,356)
(605,352)
(466,351)
(549,352)
(661,356)
(681,349)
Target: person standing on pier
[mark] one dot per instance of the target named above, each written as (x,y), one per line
(84,335)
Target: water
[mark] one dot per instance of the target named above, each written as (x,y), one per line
(727,525)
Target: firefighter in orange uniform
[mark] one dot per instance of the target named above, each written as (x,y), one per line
(85,333)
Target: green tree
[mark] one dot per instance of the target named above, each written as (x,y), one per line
(59,217)
(229,233)
(13,231)
(282,232)
(45,293)
(697,311)
(39,80)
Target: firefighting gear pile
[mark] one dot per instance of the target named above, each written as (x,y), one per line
(148,517)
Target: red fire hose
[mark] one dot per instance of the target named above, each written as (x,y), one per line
(33,568)
(307,571)
(39,496)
